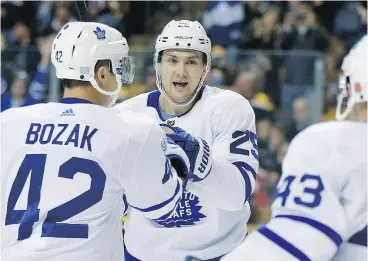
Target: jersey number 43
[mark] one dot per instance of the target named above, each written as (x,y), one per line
(312,188)
(34,165)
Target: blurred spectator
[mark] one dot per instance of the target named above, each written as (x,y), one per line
(269,167)
(350,23)
(115,15)
(226,30)
(44,16)
(325,12)
(263,126)
(94,9)
(253,10)
(300,119)
(301,33)
(25,90)
(276,174)
(63,15)
(333,61)
(17,96)
(219,75)
(13,11)
(260,33)
(5,71)
(38,88)
(249,83)
(23,54)
(151,80)
(276,137)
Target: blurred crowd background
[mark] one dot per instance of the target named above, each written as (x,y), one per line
(283,56)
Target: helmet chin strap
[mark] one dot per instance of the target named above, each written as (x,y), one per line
(114,94)
(166,95)
(339,114)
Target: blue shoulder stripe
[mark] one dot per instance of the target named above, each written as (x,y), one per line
(285,245)
(160,205)
(329,232)
(152,99)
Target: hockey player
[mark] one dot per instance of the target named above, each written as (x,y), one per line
(66,165)
(217,130)
(320,212)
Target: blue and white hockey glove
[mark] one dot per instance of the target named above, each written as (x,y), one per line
(197,150)
(177,156)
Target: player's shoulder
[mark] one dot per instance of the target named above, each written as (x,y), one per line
(319,132)
(134,118)
(139,101)
(223,98)
(331,130)
(14,114)
(136,123)
(331,136)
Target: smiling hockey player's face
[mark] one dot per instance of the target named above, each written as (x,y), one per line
(181,72)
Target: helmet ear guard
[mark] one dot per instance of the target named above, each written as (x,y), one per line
(185,35)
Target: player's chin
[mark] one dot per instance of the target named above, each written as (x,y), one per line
(179,99)
(179,96)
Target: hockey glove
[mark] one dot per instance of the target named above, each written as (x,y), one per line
(197,150)
(177,156)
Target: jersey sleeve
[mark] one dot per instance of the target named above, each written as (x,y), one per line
(132,104)
(316,209)
(151,185)
(234,159)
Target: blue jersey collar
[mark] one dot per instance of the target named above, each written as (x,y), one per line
(153,98)
(71,100)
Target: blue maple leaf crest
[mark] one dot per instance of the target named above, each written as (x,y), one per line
(99,33)
(187,213)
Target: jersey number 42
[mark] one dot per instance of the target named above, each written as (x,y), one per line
(34,165)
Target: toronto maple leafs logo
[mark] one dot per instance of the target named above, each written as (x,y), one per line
(119,71)
(99,33)
(186,213)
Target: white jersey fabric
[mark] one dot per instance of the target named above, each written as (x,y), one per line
(320,212)
(211,217)
(64,169)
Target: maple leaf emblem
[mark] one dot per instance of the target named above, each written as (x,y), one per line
(99,33)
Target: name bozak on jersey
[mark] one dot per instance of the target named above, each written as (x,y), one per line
(211,217)
(65,168)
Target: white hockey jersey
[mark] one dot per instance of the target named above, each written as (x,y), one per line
(320,212)
(211,217)
(65,167)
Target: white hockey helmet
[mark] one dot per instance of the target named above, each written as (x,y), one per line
(79,45)
(354,68)
(187,35)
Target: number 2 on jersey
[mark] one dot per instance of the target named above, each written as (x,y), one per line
(312,185)
(34,165)
(242,137)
